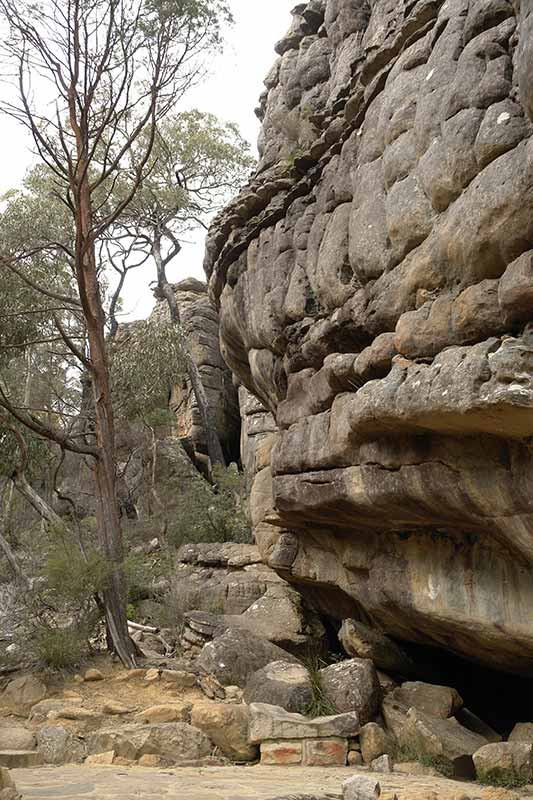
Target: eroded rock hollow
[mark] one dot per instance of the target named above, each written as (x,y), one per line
(375,287)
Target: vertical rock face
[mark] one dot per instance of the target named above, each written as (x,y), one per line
(375,286)
(200,325)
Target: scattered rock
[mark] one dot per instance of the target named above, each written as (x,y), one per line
(271,722)
(115,709)
(233,694)
(522,732)
(443,739)
(227,726)
(57,745)
(355,759)
(361,787)
(152,675)
(178,679)
(382,764)
(437,701)
(100,759)
(236,654)
(281,683)
(504,761)
(168,712)
(374,742)
(22,693)
(17,739)
(92,675)
(352,685)
(177,741)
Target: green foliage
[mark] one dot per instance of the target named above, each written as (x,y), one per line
(60,648)
(507,780)
(146,360)
(202,513)
(71,577)
(320,706)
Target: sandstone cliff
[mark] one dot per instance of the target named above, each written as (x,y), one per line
(200,326)
(375,285)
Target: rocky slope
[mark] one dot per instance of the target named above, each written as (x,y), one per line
(375,285)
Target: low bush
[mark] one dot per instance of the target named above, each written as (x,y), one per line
(59,648)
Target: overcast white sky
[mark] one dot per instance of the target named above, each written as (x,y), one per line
(231,93)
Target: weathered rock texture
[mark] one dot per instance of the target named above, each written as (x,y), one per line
(375,285)
(200,325)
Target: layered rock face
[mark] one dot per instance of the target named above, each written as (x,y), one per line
(375,285)
(200,325)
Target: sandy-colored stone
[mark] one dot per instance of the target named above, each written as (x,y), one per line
(22,693)
(100,759)
(228,727)
(93,675)
(167,712)
(115,709)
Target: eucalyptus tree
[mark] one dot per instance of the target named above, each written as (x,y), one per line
(107,73)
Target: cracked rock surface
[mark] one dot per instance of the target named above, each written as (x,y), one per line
(375,289)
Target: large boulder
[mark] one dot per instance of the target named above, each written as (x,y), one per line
(228,727)
(352,685)
(504,762)
(437,701)
(236,654)
(57,745)
(360,641)
(18,738)
(445,740)
(374,741)
(374,285)
(271,722)
(281,617)
(176,741)
(22,693)
(281,683)
(522,732)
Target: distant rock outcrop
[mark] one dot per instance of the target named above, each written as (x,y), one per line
(200,325)
(375,286)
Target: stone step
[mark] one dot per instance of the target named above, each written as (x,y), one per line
(19,759)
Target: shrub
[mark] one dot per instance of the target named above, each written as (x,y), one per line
(71,577)
(60,648)
(203,513)
(320,706)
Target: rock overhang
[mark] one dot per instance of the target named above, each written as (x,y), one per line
(375,284)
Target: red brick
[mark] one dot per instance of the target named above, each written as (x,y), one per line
(325,752)
(281,752)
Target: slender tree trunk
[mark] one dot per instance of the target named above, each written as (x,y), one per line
(35,500)
(214,448)
(107,506)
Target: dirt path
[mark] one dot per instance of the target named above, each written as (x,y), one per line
(229,783)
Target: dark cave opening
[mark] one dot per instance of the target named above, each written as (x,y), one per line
(498,698)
